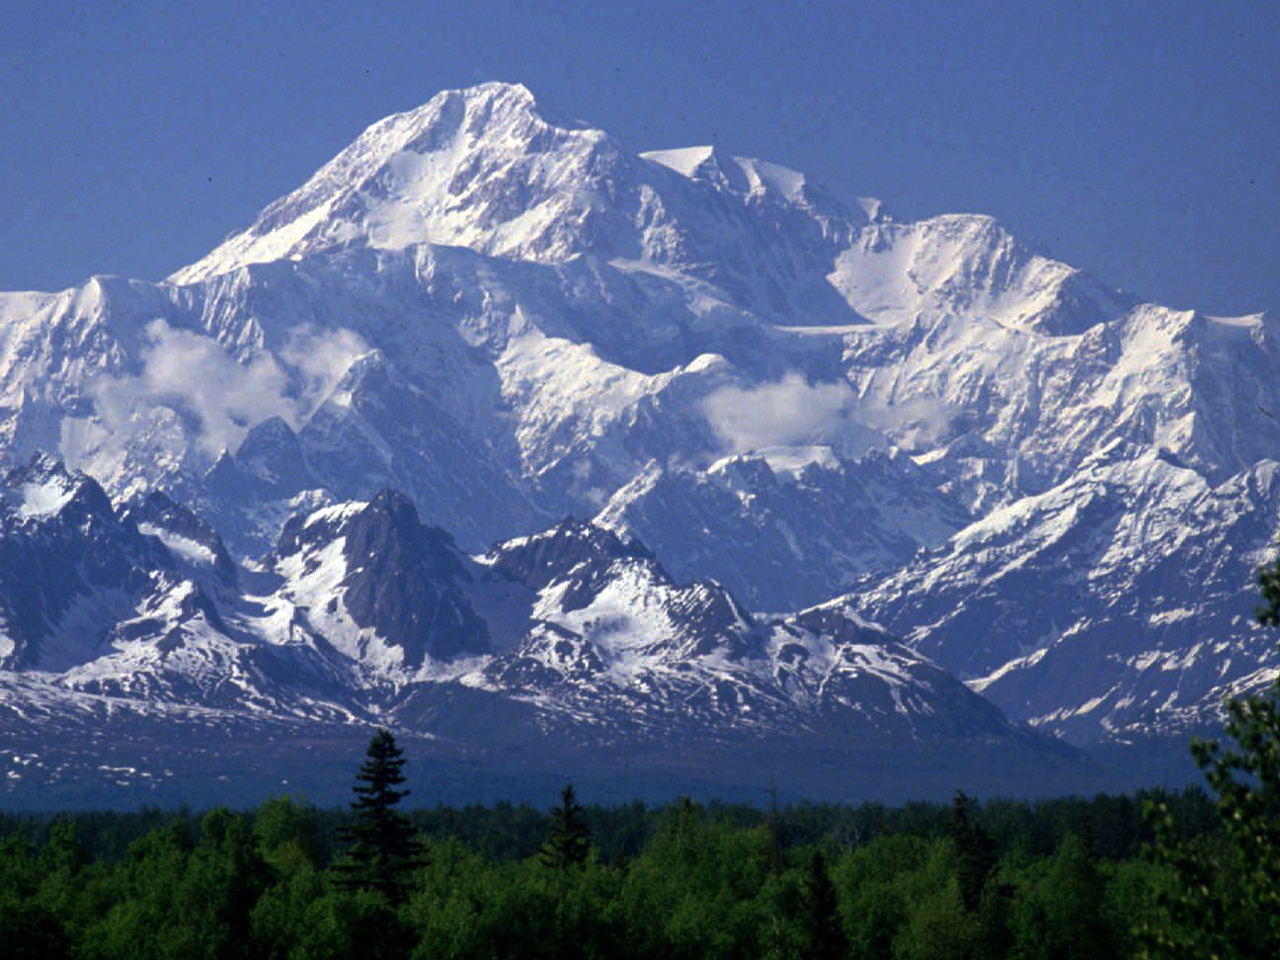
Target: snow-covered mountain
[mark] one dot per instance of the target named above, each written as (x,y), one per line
(1158,565)
(567,644)
(799,519)
(1053,490)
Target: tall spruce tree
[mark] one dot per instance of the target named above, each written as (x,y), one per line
(384,846)
(821,912)
(567,842)
(975,851)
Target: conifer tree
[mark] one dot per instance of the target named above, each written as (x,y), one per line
(975,851)
(821,912)
(384,847)
(775,830)
(567,841)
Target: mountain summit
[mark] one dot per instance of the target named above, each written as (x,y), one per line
(479,168)
(484,168)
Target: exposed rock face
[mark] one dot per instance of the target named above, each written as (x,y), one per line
(69,568)
(402,580)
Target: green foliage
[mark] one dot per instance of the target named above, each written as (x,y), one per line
(1058,908)
(940,927)
(916,908)
(174,899)
(975,851)
(694,891)
(710,881)
(505,831)
(281,918)
(27,927)
(876,886)
(288,833)
(343,924)
(29,930)
(820,915)
(1225,898)
(72,887)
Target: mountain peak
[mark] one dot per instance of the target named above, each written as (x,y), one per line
(738,174)
(495,90)
(482,167)
(44,486)
(568,546)
(480,109)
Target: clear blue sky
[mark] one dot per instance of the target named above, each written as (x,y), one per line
(1140,141)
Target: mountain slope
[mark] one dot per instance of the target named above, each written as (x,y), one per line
(1159,566)
(557,646)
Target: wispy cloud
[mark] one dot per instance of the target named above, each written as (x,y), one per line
(786,413)
(793,411)
(319,359)
(221,397)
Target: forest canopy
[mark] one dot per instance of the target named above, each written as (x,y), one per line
(1054,878)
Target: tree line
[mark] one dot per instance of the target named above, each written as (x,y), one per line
(1050,879)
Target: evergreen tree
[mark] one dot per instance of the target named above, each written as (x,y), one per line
(975,851)
(384,846)
(775,831)
(826,940)
(27,928)
(567,841)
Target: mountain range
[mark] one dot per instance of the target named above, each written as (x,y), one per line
(667,468)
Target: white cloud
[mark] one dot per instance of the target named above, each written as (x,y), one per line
(790,412)
(794,412)
(320,358)
(221,397)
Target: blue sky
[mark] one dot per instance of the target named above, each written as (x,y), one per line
(1140,141)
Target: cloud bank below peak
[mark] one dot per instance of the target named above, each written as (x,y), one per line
(218,397)
(794,411)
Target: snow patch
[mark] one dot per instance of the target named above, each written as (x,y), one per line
(189,550)
(45,499)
